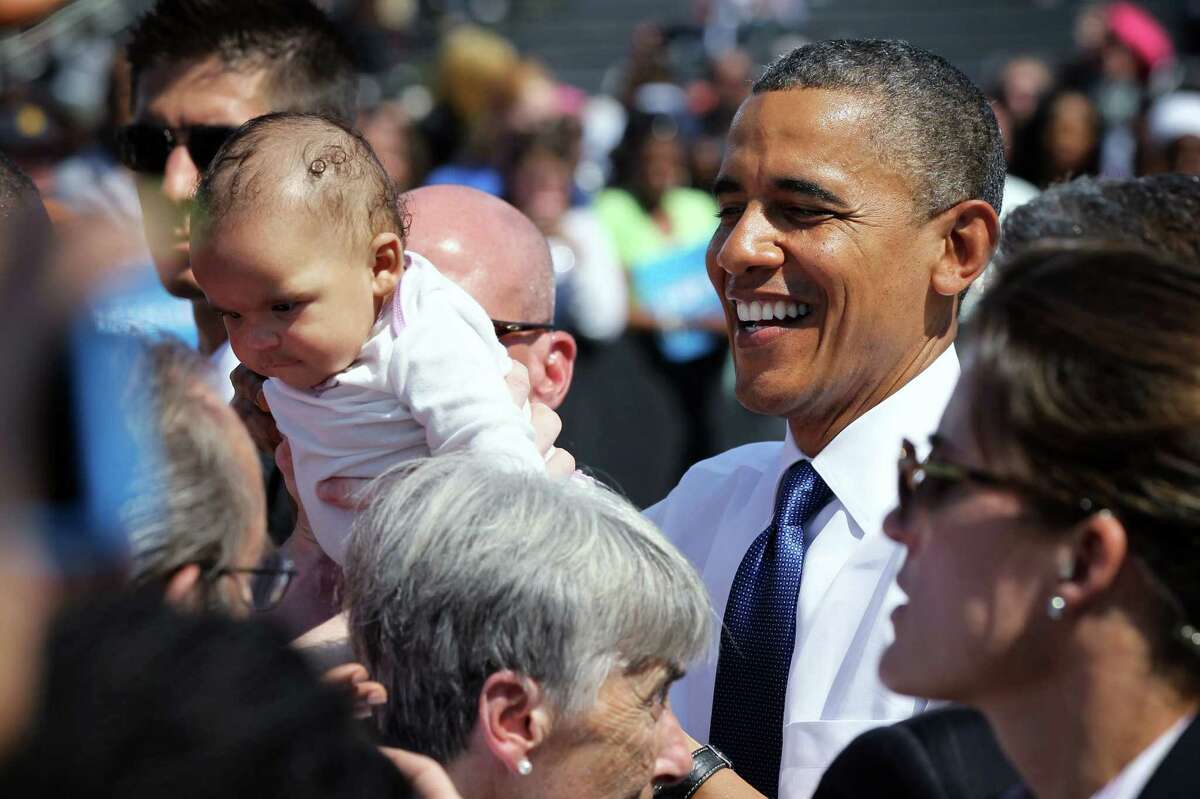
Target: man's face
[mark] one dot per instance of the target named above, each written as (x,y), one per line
(816,230)
(298,303)
(629,740)
(178,96)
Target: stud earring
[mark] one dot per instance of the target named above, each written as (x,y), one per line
(524,767)
(1056,607)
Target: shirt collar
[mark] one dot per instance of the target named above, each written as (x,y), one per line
(859,465)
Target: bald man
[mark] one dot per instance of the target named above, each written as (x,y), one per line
(502,260)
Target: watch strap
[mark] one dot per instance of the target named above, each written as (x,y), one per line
(706,761)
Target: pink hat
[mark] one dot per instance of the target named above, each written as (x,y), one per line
(1135,28)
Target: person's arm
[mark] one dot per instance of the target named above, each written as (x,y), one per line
(723,784)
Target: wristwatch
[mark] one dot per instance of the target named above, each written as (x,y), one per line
(706,761)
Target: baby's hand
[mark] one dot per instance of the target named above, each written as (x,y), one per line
(546,423)
(251,405)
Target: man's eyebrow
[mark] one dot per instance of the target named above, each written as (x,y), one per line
(807,187)
(725,185)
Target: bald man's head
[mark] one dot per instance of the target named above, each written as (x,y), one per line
(486,246)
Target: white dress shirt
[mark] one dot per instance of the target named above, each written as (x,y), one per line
(848,588)
(430,379)
(1133,778)
(223,362)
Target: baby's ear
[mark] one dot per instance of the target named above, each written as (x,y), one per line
(387,263)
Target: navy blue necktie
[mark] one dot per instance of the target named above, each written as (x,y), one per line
(759,634)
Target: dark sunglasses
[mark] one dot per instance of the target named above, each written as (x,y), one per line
(921,480)
(503,328)
(268,581)
(145,148)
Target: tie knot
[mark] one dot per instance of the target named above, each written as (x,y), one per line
(802,493)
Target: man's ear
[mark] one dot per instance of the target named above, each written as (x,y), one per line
(558,368)
(387,264)
(970,232)
(181,588)
(1097,553)
(513,717)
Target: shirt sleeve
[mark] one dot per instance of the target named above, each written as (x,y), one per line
(451,375)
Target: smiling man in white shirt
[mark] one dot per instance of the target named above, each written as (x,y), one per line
(858,197)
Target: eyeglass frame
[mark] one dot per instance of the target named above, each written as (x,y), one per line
(285,569)
(912,472)
(504,328)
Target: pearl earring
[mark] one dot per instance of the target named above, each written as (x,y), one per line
(1056,607)
(524,767)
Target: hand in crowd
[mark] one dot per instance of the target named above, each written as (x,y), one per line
(354,678)
(428,778)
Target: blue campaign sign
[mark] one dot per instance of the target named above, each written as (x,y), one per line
(674,285)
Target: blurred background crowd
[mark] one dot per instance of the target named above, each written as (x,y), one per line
(604,123)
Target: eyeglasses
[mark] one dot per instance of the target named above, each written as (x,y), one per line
(923,477)
(268,581)
(146,148)
(503,328)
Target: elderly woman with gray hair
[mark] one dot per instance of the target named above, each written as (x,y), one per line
(527,630)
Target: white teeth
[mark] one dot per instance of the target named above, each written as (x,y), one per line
(759,311)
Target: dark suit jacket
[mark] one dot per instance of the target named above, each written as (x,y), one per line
(948,753)
(1177,775)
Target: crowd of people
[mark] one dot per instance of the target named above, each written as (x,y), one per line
(363,519)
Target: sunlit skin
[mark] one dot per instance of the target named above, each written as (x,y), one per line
(977,574)
(810,214)
(298,299)
(616,750)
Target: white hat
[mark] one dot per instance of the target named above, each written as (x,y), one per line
(1173,116)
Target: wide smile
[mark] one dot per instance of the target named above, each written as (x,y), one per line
(769,312)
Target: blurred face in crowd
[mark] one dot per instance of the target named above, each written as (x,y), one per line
(297,302)
(661,168)
(820,255)
(1071,135)
(628,741)
(540,186)
(977,575)
(179,96)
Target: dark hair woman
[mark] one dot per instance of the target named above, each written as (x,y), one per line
(1053,531)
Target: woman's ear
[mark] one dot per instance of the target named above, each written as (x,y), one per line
(1097,553)
(514,718)
(387,263)
(970,232)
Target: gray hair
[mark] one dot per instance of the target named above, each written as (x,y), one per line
(458,569)
(932,121)
(195,505)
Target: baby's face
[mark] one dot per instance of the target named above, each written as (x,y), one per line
(297,301)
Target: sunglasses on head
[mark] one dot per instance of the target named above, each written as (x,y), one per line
(923,478)
(146,148)
(503,328)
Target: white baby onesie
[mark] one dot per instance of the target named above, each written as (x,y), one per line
(429,380)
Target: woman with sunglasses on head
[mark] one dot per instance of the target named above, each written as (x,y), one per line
(1053,532)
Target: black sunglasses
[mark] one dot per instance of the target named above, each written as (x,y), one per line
(146,148)
(503,328)
(918,477)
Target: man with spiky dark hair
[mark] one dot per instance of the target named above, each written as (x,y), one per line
(200,68)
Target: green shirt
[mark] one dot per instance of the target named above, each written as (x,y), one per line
(638,238)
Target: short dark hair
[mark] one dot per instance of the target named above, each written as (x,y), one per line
(142,701)
(334,163)
(932,121)
(308,63)
(1083,379)
(1158,212)
(19,196)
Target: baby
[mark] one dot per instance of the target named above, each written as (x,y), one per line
(372,356)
